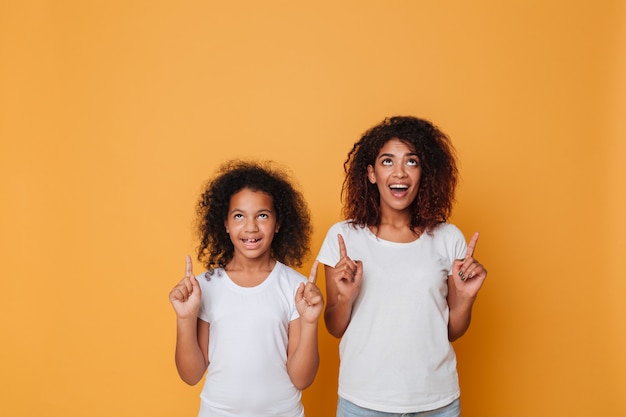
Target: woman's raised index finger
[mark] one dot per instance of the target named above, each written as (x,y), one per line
(472,245)
(313,274)
(188,266)
(342,247)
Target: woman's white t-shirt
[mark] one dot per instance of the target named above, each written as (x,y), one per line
(395,353)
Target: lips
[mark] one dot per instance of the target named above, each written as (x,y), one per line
(251,243)
(399,190)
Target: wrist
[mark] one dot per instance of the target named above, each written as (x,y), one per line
(308,325)
(186,320)
(345,302)
(463,302)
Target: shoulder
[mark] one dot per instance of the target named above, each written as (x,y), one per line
(447,231)
(288,274)
(345,227)
(348,230)
(449,239)
(286,281)
(207,277)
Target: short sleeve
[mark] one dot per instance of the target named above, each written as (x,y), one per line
(329,251)
(456,242)
(202,311)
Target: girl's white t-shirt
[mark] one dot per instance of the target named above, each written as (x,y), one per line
(248,337)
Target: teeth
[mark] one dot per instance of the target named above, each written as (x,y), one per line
(399,186)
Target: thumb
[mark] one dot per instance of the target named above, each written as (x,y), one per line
(456,264)
(358,276)
(195,286)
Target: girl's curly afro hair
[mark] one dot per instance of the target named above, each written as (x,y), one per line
(439,177)
(289,245)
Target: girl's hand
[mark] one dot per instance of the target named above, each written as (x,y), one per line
(347,275)
(309,300)
(468,273)
(186,295)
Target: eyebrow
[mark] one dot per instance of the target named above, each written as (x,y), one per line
(264,210)
(391,155)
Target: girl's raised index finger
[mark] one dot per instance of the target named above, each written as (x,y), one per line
(188,266)
(313,274)
(472,245)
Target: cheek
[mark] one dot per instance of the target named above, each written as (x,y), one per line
(272,227)
(417,178)
(232,228)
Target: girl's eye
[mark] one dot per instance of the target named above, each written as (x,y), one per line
(386,162)
(238,216)
(263,216)
(413,162)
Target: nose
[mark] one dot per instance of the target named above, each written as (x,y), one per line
(399,171)
(251,225)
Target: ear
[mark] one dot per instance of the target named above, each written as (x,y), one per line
(277,228)
(371,175)
(226,226)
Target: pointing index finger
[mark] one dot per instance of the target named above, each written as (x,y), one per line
(188,266)
(471,246)
(313,274)
(342,247)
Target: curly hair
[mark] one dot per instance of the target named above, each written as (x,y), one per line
(435,197)
(289,245)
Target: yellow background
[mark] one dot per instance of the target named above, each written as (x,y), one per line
(113,113)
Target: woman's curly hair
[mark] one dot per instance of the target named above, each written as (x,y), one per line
(289,245)
(439,177)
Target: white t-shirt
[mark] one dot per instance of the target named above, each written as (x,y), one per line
(395,353)
(247,373)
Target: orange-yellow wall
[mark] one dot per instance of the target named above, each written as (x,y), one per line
(113,113)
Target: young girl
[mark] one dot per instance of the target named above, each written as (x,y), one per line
(400,281)
(250,319)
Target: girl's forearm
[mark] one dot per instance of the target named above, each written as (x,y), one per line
(190,361)
(303,364)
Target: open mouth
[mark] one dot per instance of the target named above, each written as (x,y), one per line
(398,190)
(250,240)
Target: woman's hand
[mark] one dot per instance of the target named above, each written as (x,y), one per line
(468,273)
(347,275)
(343,285)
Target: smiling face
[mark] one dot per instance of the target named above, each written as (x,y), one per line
(396,172)
(251,224)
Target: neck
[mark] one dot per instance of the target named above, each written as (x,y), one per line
(265,264)
(249,272)
(396,228)
(395,219)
